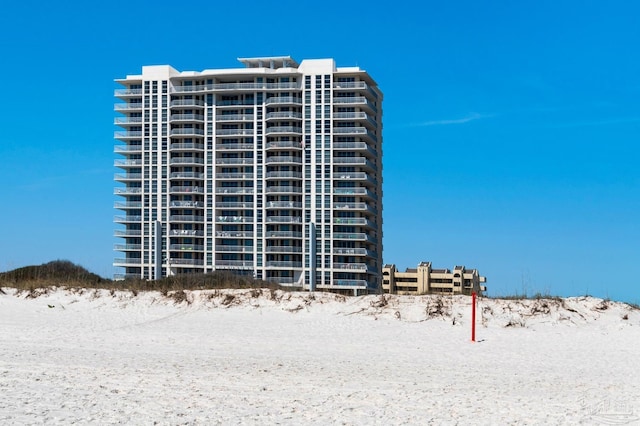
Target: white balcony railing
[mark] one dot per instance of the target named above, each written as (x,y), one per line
(234,132)
(186,131)
(283,205)
(283,100)
(187,117)
(283,234)
(186,160)
(283,249)
(283,159)
(234,176)
(283,115)
(283,175)
(283,129)
(234,117)
(283,219)
(283,190)
(283,264)
(186,146)
(234,160)
(127,191)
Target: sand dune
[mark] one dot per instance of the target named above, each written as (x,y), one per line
(267,357)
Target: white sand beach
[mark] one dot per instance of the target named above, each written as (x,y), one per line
(265,357)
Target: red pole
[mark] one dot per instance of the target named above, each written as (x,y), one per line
(473,316)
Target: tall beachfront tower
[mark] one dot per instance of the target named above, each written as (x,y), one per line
(273,169)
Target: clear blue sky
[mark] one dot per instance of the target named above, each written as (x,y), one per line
(511,129)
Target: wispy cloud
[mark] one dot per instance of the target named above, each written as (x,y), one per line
(447,122)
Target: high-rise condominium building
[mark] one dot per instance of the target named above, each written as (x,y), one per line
(272,169)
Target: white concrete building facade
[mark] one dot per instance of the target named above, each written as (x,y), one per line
(273,169)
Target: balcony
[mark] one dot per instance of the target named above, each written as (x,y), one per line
(234,219)
(283,175)
(283,219)
(186,117)
(347,283)
(283,190)
(128,205)
(357,267)
(237,161)
(187,103)
(284,144)
(283,130)
(186,247)
(185,161)
(128,261)
(349,85)
(283,234)
(251,86)
(127,163)
(356,100)
(128,233)
(127,149)
(354,161)
(234,190)
(129,106)
(283,264)
(235,102)
(121,93)
(187,132)
(283,249)
(233,264)
(360,221)
(186,175)
(126,135)
(127,191)
(234,249)
(354,252)
(184,262)
(354,206)
(358,116)
(283,115)
(283,205)
(187,189)
(284,159)
(364,192)
(127,120)
(186,218)
(187,204)
(234,117)
(234,205)
(188,88)
(235,132)
(283,100)
(354,236)
(127,247)
(125,219)
(235,146)
(123,177)
(355,176)
(234,176)
(219,87)
(186,233)
(186,146)
(235,234)
(355,146)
